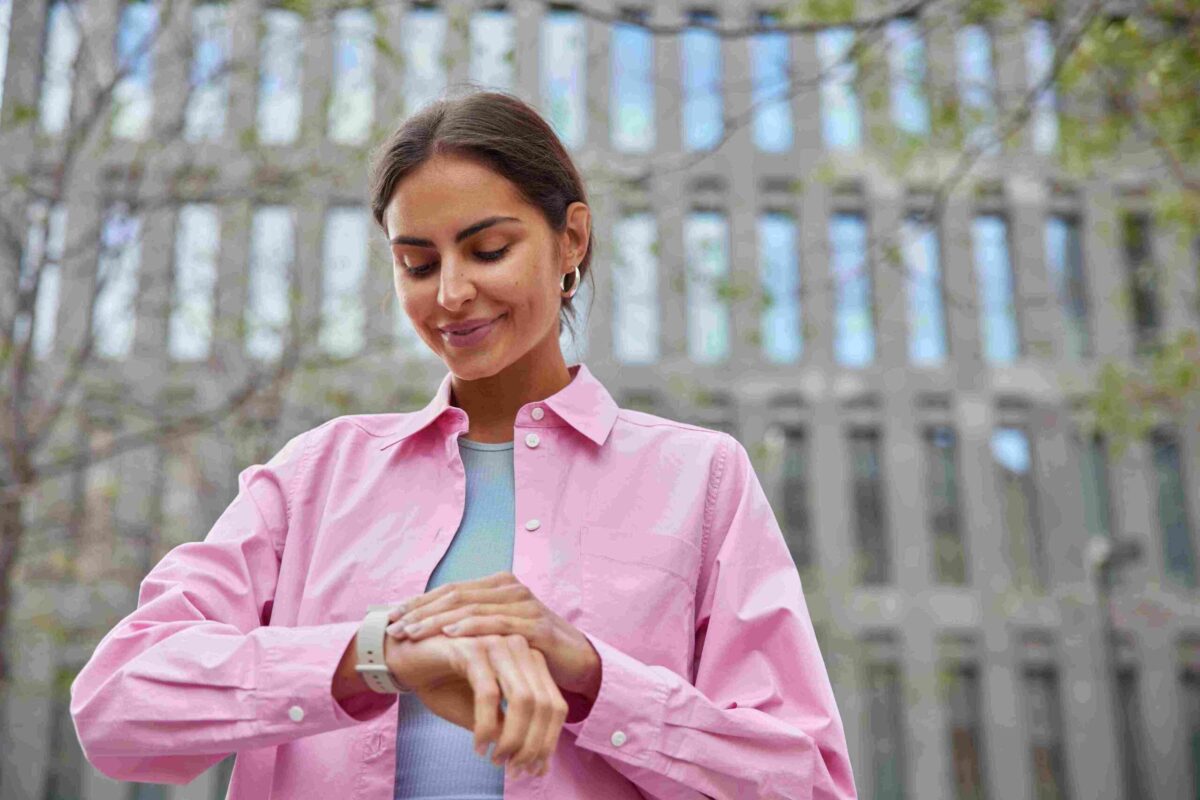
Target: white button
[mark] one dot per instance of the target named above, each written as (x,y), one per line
(618,738)
(532,525)
(531,439)
(537,413)
(296,713)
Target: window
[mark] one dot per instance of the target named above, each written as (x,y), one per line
(133,94)
(564,56)
(885,727)
(874,559)
(1039,61)
(424,46)
(343,318)
(779,270)
(1064,262)
(960,682)
(1093,467)
(493,54)
(1179,553)
(1131,733)
(635,290)
(197,244)
(989,241)
(703,107)
(841,118)
(1189,688)
(706,247)
(797,519)
(927,342)
(268,301)
(1013,461)
(949,556)
(976,89)
(117,278)
(854,318)
(906,51)
(352,110)
(1142,280)
(58,67)
(632,81)
(770,63)
(1044,710)
(279,97)
(208,95)
(41,272)
(5,26)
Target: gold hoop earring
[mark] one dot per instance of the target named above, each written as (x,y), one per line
(574,286)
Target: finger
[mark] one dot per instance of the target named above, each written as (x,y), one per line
(519,695)
(495,579)
(486,689)
(531,751)
(494,618)
(458,598)
(558,714)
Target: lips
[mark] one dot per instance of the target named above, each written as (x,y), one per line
(468,330)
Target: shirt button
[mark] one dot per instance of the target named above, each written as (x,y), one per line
(296,713)
(532,525)
(531,439)
(618,738)
(537,413)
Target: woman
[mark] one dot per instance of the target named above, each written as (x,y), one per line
(613,574)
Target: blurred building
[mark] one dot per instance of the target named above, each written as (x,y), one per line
(912,389)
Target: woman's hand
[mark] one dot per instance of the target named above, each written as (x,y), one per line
(501,604)
(462,681)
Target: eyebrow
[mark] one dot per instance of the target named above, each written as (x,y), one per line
(470,230)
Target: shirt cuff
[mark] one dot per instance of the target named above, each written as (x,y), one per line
(626,718)
(296,676)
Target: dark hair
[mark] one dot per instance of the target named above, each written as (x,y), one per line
(501,132)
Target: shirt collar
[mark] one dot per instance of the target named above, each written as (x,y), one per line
(584,404)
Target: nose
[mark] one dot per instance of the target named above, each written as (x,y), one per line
(454,283)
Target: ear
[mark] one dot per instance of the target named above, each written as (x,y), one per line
(576,235)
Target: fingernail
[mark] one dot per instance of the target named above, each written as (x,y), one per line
(451,628)
(481,749)
(395,629)
(414,628)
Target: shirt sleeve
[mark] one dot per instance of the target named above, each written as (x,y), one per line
(760,719)
(196,671)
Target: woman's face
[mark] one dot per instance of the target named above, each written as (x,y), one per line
(465,246)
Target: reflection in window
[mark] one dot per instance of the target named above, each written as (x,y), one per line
(779,271)
(1013,461)
(906,50)
(960,681)
(926,315)
(703,111)
(1179,554)
(635,290)
(1064,262)
(563,77)
(841,123)
(854,325)
(43,251)
(343,318)
(874,558)
(493,53)
(58,67)
(279,97)
(1093,467)
(1142,280)
(133,94)
(197,243)
(1039,61)
(117,280)
(989,242)
(941,460)
(706,247)
(797,517)
(352,109)
(976,88)
(424,46)
(1045,733)
(268,300)
(770,64)
(632,103)
(885,727)
(204,114)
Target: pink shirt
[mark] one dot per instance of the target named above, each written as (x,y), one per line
(653,537)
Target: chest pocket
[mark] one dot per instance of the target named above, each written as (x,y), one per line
(639,591)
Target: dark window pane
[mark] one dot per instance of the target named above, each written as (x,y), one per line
(949,557)
(797,522)
(1143,280)
(1178,552)
(961,682)
(869,521)
(1131,734)
(1014,473)
(886,730)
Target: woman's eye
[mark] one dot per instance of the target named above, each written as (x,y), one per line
(485,255)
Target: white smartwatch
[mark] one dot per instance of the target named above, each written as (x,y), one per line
(369,643)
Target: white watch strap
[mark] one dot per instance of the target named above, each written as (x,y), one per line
(369,642)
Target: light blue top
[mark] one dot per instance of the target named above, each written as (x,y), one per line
(436,759)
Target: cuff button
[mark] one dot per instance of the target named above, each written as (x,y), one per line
(296,713)
(618,738)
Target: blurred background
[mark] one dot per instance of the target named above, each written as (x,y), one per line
(936,264)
